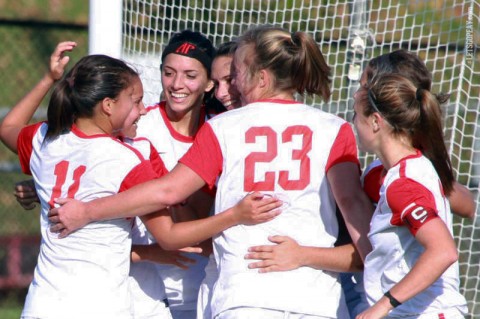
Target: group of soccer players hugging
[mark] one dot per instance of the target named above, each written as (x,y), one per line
(231,198)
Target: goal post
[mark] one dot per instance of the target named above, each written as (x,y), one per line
(105,27)
(445,34)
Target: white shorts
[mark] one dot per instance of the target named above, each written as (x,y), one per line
(182,286)
(206,289)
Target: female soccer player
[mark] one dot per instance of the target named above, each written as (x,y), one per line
(222,66)
(412,269)
(86,109)
(171,126)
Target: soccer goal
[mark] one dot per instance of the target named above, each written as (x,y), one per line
(443,33)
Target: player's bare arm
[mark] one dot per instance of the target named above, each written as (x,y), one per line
(150,197)
(286,254)
(23,111)
(254,209)
(155,253)
(462,202)
(354,204)
(440,252)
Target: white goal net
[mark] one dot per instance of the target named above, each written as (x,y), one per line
(445,34)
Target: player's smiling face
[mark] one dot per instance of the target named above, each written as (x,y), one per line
(225,92)
(121,108)
(184,82)
(130,125)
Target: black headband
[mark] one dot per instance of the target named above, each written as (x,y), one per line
(189,50)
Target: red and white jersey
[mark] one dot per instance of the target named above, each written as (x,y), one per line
(146,286)
(181,285)
(410,196)
(156,127)
(284,149)
(83,275)
(372,179)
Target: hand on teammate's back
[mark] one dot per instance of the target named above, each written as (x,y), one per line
(282,255)
(256,208)
(26,194)
(63,223)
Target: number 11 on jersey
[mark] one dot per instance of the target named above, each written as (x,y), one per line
(61,170)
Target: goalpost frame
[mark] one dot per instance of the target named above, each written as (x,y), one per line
(105,27)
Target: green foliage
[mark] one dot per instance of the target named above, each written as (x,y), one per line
(46,10)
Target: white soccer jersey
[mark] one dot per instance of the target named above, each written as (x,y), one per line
(181,285)
(83,275)
(146,286)
(156,127)
(416,177)
(285,149)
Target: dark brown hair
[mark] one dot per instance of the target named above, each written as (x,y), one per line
(412,112)
(407,65)
(92,79)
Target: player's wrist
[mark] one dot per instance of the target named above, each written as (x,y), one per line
(392,300)
(303,257)
(234,216)
(89,214)
(48,80)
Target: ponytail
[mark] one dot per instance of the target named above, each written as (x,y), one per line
(309,70)
(61,111)
(295,60)
(428,137)
(414,113)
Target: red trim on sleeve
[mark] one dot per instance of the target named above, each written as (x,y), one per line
(205,155)
(157,162)
(25,146)
(141,173)
(344,149)
(412,204)
(372,181)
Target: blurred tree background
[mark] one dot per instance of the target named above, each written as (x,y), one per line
(30,30)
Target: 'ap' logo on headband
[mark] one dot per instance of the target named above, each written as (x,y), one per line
(185,48)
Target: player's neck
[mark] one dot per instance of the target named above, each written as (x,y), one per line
(186,123)
(394,153)
(90,126)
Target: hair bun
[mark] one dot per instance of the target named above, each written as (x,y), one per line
(419,94)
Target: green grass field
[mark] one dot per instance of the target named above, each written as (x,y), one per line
(11,303)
